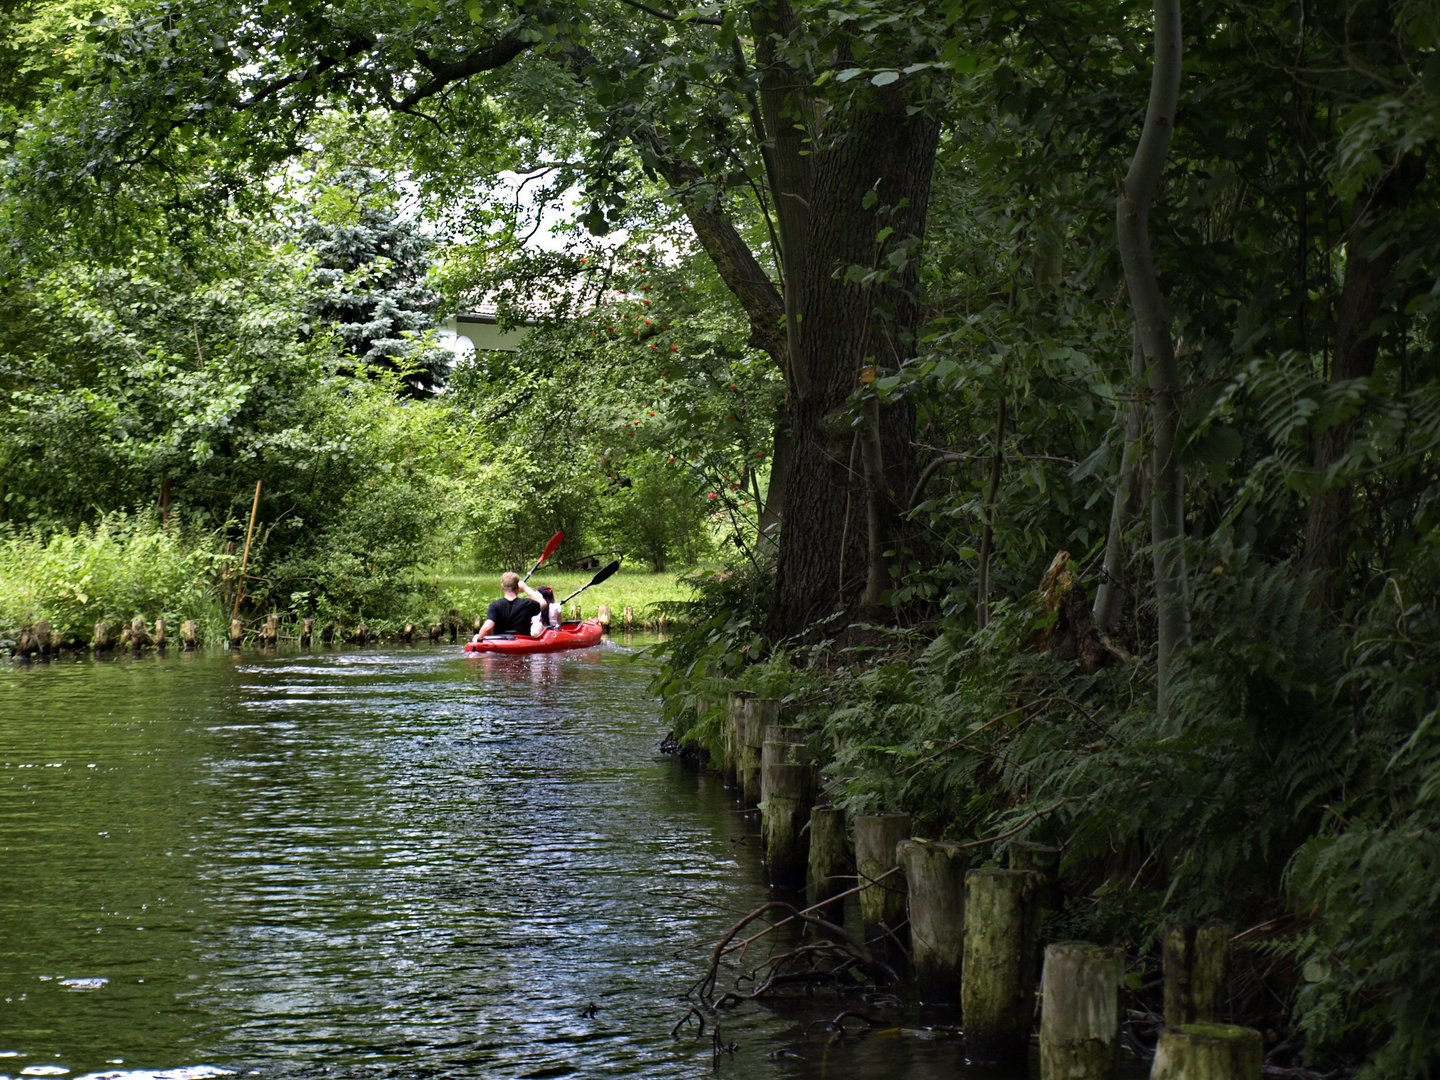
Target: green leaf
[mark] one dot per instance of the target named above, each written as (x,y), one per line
(848,74)
(885,78)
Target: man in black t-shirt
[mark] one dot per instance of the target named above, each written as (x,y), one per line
(511,615)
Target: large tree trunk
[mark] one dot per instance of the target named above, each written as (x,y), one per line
(875,146)
(1167,506)
(1368,263)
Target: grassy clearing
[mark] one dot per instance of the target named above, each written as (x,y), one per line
(636,588)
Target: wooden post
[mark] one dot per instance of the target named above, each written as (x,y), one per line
(245,559)
(43,633)
(237,633)
(1044,860)
(138,635)
(661,625)
(730,736)
(787,792)
(454,632)
(362,634)
(935,889)
(407,634)
(1208,1052)
(434,634)
(307,632)
(829,869)
(102,639)
(629,618)
(758,714)
(160,633)
(1196,963)
(1080,1012)
(786,733)
(603,615)
(188,636)
(271,633)
(882,903)
(1002,924)
(577,613)
(28,643)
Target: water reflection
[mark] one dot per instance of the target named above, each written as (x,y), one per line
(383,862)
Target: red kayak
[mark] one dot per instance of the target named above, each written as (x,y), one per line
(571,635)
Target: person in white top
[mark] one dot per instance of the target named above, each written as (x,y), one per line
(549,617)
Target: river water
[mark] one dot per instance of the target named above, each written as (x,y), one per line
(378,863)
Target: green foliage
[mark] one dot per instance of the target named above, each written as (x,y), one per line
(112,571)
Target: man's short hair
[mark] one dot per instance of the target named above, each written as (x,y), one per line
(509,580)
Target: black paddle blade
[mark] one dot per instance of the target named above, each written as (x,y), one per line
(600,575)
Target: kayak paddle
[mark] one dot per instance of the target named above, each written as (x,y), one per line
(600,575)
(549,550)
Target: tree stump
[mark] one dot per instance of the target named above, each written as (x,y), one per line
(237,633)
(307,632)
(1196,966)
(1080,1013)
(829,862)
(787,792)
(729,735)
(189,637)
(55,642)
(757,715)
(882,903)
(103,636)
(1044,860)
(602,614)
(1002,925)
(1208,1052)
(159,635)
(935,890)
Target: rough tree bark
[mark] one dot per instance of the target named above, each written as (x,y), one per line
(1137,189)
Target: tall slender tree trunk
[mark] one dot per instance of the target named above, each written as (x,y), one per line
(1110,597)
(1369,259)
(1137,190)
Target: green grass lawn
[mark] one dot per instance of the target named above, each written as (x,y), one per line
(635,587)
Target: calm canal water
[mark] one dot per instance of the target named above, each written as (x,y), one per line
(377,863)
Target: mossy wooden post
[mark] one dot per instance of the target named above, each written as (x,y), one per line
(786,733)
(270,633)
(237,633)
(935,891)
(26,644)
(102,639)
(758,714)
(159,635)
(43,633)
(139,636)
(362,634)
(882,903)
(602,615)
(629,617)
(189,636)
(1044,860)
(407,633)
(1080,1012)
(829,861)
(1002,924)
(729,735)
(577,613)
(1196,965)
(125,637)
(1208,1052)
(307,632)
(787,792)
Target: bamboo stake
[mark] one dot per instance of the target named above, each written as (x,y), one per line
(245,559)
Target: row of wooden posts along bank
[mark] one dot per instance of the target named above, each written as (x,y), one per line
(973,934)
(42,639)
